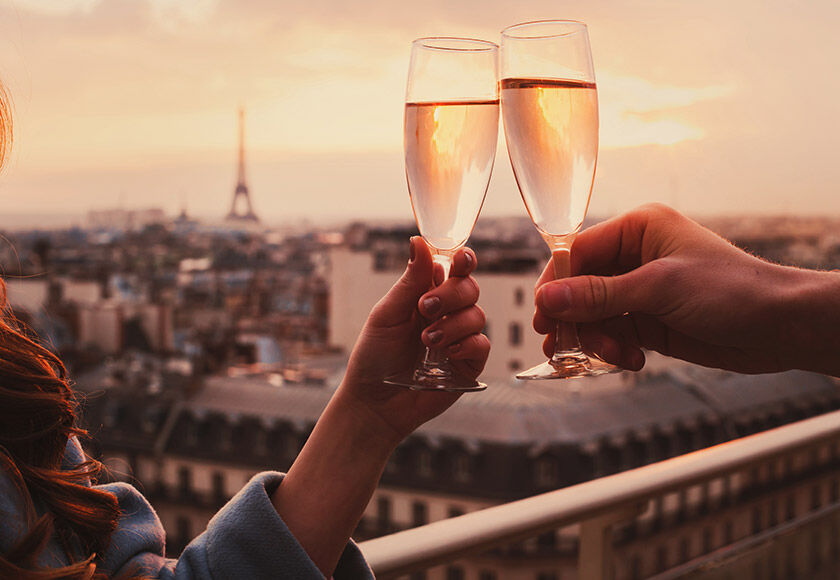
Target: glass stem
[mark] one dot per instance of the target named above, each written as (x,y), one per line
(566,342)
(434,357)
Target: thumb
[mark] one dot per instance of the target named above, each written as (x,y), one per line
(399,304)
(594,298)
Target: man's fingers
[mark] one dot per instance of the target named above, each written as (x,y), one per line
(605,346)
(614,349)
(593,298)
(543,324)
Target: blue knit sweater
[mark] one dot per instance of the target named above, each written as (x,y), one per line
(246,539)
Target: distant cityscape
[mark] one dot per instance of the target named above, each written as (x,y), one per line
(205,353)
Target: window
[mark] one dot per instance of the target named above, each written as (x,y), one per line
(455,511)
(548,540)
(419,513)
(816,550)
(184,481)
(424,463)
(816,497)
(546,472)
(685,550)
(515,333)
(291,445)
(708,540)
(728,532)
(393,466)
(661,558)
(190,434)
(454,573)
(790,507)
(383,512)
(636,568)
(183,531)
(757,523)
(225,438)
(461,468)
(519,296)
(219,493)
(260,442)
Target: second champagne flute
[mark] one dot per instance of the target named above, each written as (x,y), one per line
(550,109)
(451,130)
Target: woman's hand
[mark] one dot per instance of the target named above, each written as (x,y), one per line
(410,317)
(328,486)
(654,279)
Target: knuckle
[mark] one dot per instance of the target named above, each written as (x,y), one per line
(656,209)
(481,317)
(475,289)
(466,291)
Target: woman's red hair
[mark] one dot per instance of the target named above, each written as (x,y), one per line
(37,418)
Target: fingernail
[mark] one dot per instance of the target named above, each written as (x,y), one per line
(411,250)
(455,348)
(435,336)
(637,359)
(468,259)
(431,305)
(556,297)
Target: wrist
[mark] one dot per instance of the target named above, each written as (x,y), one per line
(361,421)
(811,306)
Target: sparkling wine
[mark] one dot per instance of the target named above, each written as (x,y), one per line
(449,152)
(551,128)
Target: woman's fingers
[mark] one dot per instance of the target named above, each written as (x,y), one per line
(471,351)
(454,327)
(464,263)
(454,294)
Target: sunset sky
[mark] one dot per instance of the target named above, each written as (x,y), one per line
(714,107)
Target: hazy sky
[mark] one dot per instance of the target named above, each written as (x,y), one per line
(714,106)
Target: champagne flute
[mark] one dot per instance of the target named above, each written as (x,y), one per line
(451,130)
(550,110)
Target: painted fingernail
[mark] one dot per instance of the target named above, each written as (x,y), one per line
(431,305)
(454,348)
(411,250)
(468,259)
(556,297)
(435,336)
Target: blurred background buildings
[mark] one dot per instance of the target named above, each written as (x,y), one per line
(205,353)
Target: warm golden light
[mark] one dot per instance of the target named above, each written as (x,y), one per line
(139,102)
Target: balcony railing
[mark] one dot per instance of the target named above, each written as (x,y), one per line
(596,505)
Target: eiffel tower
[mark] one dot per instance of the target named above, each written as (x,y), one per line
(241,191)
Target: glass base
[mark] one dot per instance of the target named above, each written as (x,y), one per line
(418,381)
(572,365)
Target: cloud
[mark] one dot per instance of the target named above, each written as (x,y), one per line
(635,111)
(52,7)
(170,14)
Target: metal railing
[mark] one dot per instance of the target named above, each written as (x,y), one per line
(596,505)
